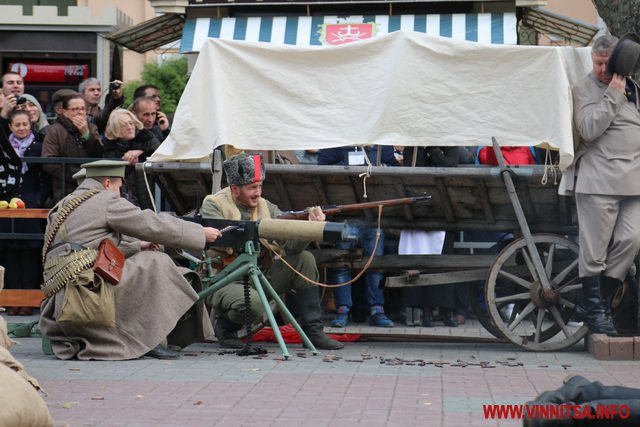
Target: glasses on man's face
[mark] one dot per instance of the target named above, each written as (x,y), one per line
(76,110)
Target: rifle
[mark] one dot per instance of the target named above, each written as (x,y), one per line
(336,209)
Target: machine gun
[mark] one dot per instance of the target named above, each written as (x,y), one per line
(236,234)
(244,238)
(336,209)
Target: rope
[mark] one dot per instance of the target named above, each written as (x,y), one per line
(146,183)
(367,174)
(337,285)
(548,165)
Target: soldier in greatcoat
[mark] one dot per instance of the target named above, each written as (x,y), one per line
(607,170)
(154,299)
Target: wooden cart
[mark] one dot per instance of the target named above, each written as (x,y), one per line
(531,284)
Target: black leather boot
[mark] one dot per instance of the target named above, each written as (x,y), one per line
(161,352)
(564,394)
(595,314)
(226,332)
(311,319)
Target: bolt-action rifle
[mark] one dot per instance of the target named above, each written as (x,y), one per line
(336,209)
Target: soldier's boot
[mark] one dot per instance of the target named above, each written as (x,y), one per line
(226,332)
(311,319)
(595,316)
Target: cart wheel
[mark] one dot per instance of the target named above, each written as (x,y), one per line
(516,303)
(477,300)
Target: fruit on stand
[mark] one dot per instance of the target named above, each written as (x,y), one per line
(4,204)
(16,203)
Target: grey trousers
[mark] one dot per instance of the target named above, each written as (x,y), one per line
(609,234)
(229,301)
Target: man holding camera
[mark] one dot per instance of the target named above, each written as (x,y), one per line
(90,89)
(12,85)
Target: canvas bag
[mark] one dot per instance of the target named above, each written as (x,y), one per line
(89,301)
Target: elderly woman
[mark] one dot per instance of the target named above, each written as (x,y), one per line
(127,139)
(70,136)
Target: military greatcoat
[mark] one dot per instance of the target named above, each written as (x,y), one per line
(153,294)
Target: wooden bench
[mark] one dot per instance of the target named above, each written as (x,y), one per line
(22,297)
(24,213)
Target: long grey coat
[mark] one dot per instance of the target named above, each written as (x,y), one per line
(608,157)
(152,295)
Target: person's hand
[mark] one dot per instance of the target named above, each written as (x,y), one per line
(131,156)
(618,83)
(149,246)
(211,234)
(7,106)
(316,214)
(81,123)
(163,122)
(117,93)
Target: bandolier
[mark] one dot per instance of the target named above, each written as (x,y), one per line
(59,269)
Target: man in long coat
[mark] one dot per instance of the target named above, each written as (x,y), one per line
(153,294)
(607,165)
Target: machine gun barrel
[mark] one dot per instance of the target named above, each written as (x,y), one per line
(237,233)
(336,209)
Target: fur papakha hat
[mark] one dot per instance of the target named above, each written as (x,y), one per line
(243,169)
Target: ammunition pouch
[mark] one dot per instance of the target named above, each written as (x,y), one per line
(63,263)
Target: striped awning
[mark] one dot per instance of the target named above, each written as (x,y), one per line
(490,28)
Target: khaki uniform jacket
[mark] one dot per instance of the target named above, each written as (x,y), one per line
(153,293)
(214,206)
(608,157)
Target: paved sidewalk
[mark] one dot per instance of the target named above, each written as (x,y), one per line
(367,383)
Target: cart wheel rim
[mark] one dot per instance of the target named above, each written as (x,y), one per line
(537,319)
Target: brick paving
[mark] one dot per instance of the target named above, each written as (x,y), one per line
(368,383)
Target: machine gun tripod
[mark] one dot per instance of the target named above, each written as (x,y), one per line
(244,238)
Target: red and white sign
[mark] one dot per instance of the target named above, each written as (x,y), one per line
(337,34)
(50,71)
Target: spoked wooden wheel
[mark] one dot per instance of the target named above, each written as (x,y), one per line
(518,305)
(476,294)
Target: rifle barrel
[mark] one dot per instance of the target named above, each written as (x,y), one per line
(334,209)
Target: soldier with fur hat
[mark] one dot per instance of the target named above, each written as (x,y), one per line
(605,174)
(242,200)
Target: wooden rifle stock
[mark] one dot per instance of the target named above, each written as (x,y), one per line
(336,209)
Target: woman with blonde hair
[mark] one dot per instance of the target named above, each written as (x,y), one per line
(126,139)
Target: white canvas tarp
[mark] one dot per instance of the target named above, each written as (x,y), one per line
(405,89)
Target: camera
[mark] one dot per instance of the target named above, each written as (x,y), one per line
(20,100)
(114,86)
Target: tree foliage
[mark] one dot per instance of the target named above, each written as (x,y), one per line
(621,16)
(170,77)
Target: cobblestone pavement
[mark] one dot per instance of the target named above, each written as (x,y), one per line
(367,383)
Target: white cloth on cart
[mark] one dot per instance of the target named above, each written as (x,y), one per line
(404,88)
(420,242)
